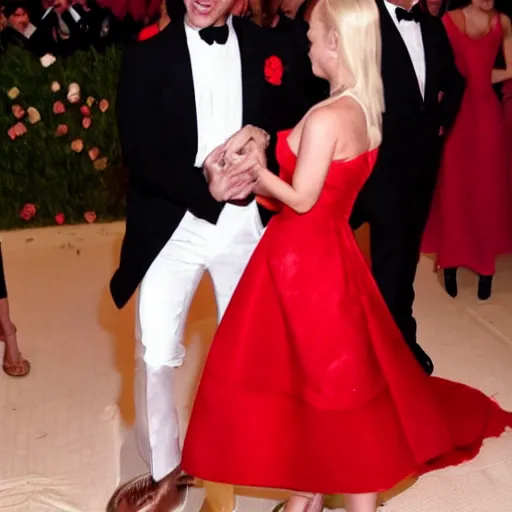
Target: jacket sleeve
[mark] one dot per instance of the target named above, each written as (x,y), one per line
(156,165)
(453,83)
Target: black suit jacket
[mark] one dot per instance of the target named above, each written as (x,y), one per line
(411,146)
(158,130)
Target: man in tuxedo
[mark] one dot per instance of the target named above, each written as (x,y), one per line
(181,94)
(21,31)
(423,91)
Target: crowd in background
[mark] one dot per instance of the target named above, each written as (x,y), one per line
(61,27)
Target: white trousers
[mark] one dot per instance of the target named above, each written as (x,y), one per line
(164,298)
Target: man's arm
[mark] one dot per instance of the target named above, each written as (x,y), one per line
(155,164)
(501,75)
(453,83)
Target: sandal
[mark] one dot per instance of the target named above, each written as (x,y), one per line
(19,368)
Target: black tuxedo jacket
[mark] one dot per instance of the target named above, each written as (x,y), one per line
(411,146)
(158,130)
(38,44)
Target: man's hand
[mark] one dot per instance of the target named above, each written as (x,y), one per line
(251,162)
(229,182)
(227,187)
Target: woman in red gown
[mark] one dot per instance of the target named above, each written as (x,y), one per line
(309,385)
(469,224)
(507,106)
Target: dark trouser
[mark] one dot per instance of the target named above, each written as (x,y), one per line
(397,217)
(3,287)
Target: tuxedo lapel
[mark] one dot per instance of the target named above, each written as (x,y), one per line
(431,60)
(251,72)
(395,46)
(178,94)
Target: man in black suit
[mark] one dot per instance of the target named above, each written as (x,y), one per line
(181,94)
(423,91)
(21,31)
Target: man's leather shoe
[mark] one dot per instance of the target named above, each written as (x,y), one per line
(143,494)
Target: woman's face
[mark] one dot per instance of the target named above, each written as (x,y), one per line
(319,43)
(483,5)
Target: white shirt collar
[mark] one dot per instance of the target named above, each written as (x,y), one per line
(190,31)
(392,9)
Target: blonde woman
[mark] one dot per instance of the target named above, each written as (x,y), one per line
(309,385)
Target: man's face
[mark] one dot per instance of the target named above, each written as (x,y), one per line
(405,4)
(205,13)
(19,19)
(60,6)
(290,7)
(434,6)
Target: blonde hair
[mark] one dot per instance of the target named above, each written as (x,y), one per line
(357,23)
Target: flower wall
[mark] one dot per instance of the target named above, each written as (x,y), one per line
(59,152)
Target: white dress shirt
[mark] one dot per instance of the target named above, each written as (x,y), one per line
(217,75)
(411,34)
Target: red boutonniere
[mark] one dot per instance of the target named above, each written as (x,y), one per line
(273,70)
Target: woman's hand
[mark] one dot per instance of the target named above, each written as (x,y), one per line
(235,145)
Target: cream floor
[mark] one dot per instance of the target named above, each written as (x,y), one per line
(65,438)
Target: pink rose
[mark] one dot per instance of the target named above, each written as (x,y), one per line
(59,108)
(103,106)
(93,153)
(62,129)
(85,110)
(28,211)
(60,219)
(90,216)
(17,130)
(86,122)
(77,145)
(18,111)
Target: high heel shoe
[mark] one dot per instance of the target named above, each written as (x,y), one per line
(20,368)
(450,281)
(484,287)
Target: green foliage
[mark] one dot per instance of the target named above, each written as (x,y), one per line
(41,168)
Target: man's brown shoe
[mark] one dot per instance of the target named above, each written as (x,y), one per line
(143,494)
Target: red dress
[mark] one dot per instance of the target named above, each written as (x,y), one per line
(469,220)
(507,105)
(309,384)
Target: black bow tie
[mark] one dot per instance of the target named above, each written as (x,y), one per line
(217,35)
(402,14)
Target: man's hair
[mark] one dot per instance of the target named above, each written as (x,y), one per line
(10,7)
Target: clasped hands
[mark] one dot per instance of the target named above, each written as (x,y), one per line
(232,169)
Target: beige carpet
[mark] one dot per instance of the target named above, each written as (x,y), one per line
(65,438)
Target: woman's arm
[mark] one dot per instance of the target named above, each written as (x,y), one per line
(500,75)
(318,142)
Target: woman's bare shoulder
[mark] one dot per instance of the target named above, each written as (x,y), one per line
(506,24)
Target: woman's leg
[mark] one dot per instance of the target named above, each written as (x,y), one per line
(305,503)
(13,363)
(8,332)
(361,502)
